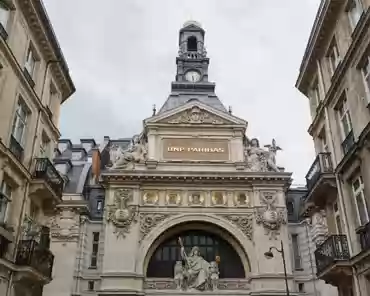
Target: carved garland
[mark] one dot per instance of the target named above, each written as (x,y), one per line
(148,221)
(196,115)
(244,223)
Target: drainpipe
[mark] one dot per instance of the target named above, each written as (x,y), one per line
(27,184)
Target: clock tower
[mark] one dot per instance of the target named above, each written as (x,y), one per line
(191,81)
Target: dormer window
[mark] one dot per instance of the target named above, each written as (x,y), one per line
(192,44)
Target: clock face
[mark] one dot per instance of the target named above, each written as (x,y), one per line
(192,76)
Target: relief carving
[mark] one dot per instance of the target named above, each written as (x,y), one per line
(120,213)
(243,222)
(270,217)
(135,153)
(148,221)
(196,116)
(65,226)
(259,159)
(194,273)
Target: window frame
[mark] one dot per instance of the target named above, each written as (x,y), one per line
(296,252)
(94,254)
(357,7)
(4,202)
(4,8)
(31,55)
(21,109)
(338,224)
(333,56)
(355,194)
(343,112)
(365,67)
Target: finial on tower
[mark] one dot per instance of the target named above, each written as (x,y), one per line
(230,110)
(154,109)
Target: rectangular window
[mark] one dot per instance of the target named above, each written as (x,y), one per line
(314,97)
(333,56)
(5,196)
(91,285)
(4,15)
(362,207)
(365,70)
(338,222)
(20,122)
(30,61)
(95,250)
(354,12)
(344,117)
(296,252)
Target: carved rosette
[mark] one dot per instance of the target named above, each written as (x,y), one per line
(243,222)
(148,221)
(120,213)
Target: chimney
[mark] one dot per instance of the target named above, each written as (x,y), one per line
(95,165)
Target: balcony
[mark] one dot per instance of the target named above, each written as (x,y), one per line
(332,260)
(47,183)
(16,149)
(320,180)
(34,260)
(348,142)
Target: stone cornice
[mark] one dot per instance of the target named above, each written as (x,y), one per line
(130,176)
(325,19)
(35,14)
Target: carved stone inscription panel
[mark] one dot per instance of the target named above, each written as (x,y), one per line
(195,149)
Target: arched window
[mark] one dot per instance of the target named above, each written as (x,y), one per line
(162,262)
(192,43)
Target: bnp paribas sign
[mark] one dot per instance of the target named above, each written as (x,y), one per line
(195,149)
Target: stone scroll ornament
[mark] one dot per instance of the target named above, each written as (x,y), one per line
(120,213)
(270,217)
(243,222)
(148,221)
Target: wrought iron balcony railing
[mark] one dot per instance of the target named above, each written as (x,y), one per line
(31,253)
(348,142)
(364,234)
(321,165)
(45,170)
(332,250)
(16,148)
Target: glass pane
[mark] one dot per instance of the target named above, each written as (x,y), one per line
(95,236)
(346,126)
(202,240)
(361,209)
(93,261)
(338,224)
(4,16)
(166,254)
(95,248)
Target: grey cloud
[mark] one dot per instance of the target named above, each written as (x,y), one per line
(122,59)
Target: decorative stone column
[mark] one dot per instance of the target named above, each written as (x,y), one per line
(121,241)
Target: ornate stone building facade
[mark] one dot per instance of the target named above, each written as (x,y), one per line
(334,75)
(189,205)
(34,82)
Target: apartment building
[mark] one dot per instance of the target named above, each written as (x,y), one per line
(34,82)
(335,76)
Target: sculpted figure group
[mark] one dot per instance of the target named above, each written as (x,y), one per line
(196,273)
(135,153)
(259,159)
(256,158)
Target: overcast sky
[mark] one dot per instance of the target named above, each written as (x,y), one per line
(121,55)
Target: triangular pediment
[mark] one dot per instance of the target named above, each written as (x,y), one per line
(195,113)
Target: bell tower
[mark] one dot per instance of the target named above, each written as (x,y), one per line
(192,62)
(191,80)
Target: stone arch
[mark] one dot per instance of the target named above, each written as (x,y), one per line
(219,226)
